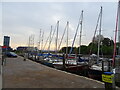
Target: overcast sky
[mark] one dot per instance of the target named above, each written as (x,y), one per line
(21,19)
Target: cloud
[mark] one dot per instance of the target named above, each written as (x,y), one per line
(21,19)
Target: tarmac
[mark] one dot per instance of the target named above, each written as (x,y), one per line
(28,74)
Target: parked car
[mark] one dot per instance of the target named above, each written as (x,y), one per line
(11,54)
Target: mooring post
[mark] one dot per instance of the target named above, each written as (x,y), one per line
(102,65)
(109,66)
(63,61)
(108,79)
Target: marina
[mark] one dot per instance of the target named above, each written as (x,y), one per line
(59,59)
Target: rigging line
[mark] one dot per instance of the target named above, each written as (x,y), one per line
(95,33)
(75,35)
(115,37)
(62,37)
(45,43)
(47,39)
(39,42)
(52,37)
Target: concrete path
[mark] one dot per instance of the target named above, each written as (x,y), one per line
(28,74)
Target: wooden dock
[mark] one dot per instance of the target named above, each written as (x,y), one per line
(28,74)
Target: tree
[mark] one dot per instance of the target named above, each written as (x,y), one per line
(83,49)
(107,42)
(63,50)
(92,48)
(106,47)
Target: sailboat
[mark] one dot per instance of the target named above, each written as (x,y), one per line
(45,57)
(95,70)
(81,65)
(97,65)
(69,60)
(59,65)
(73,64)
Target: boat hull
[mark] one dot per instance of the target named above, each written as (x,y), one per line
(95,74)
(78,69)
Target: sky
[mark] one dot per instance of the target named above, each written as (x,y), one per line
(22,19)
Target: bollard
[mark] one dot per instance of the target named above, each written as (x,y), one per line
(108,79)
(63,61)
(102,65)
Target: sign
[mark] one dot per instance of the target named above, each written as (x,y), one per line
(107,78)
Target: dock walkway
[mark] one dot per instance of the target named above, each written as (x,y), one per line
(28,74)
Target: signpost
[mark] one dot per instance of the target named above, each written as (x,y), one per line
(108,79)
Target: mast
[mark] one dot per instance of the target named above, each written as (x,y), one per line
(95,32)
(57,36)
(42,41)
(52,36)
(81,22)
(29,42)
(39,39)
(67,39)
(75,34)
(99,39)
(29,46)
(49,40)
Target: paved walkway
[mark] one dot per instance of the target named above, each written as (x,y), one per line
(28,74)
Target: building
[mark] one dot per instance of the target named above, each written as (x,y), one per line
(25,48)
(6,41)
(21,48)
